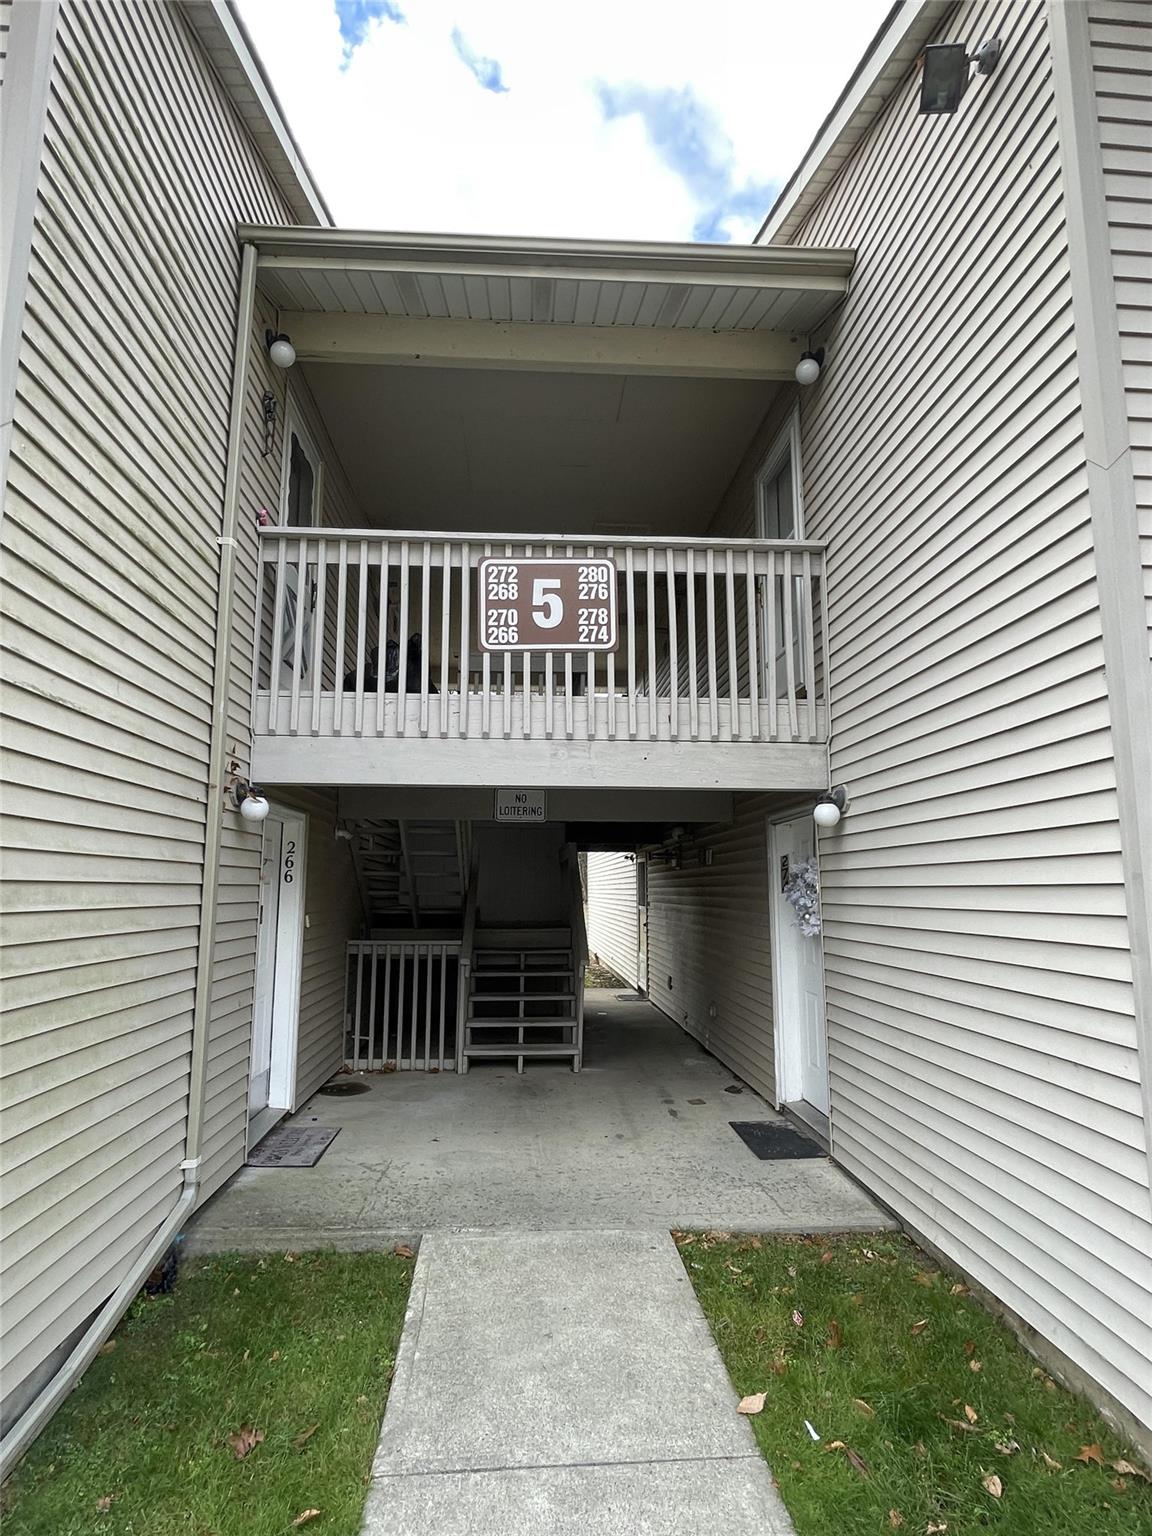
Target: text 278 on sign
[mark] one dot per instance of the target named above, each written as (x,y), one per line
(548,605)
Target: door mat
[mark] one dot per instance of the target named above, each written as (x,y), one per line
(292,1146)
(343,1087)
(629,997)
(774,1143)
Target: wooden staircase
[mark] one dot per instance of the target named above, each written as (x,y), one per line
(525,998)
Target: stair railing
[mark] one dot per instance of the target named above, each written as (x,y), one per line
(467,945)
(579,934)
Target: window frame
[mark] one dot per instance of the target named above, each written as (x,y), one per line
(294,427)
(785,445)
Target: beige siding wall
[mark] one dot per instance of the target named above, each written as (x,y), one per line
(980,1012)
(709,944)
(110,559)
(612,915)
(1121,33)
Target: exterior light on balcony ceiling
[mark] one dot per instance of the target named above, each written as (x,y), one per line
(945,77)
(251,802)
(830,807)
(280,348)
(809,366)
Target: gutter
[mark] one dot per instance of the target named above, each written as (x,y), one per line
(33,1420)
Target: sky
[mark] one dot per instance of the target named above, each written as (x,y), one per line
(609,119)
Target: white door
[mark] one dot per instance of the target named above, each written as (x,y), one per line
(642,922)
(264,997)
(276,991)
(798,971)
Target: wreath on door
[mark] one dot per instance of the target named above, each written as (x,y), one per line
(802,893)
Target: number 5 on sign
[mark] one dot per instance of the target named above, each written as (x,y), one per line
(547,609)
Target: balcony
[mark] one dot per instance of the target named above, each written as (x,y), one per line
(369,671)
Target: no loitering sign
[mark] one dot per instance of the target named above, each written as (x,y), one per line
(548,605)
(522,805)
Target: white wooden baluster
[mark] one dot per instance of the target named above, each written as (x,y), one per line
(733,663)
(650,569)
(319,630)
(771,681)
(752,643)
(568,701)
(402,677)
(341,626)
(549,678)
(382,638)
(710,643)
(591,727)
(486,685)
(386,1024)
(445,604)
(465,635)
(372,1007)
(443,997)
(673,643)
(805,619)
(402,1010)
(693,664)
(361,634)
(276,668)
(425,619)
(610,662)
(630,586)
(426,957)
(303,599)
(790,644)
(359,1010)
(506,705)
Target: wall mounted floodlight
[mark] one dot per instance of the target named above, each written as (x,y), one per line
(946,75)
(280,348)
(830,807)
(809,366)
(251,802)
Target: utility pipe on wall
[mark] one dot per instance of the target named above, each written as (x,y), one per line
(29,1425)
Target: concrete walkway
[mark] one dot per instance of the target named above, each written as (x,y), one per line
(639,1139)
(555,1383)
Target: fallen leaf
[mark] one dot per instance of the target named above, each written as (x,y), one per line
(857,1461)
(865,1408)
(935,1529)
(106,1349)
(290,1258)
(682,1239)
(245,1439)
(403,1251)
(105,1504)
(970,1413)
(958,1289)
(993,1484)
(959,1424)
(1119,1484)
(923,1278)
(835,1445)
(792,1271)
(895,1519)
(970,1347)
(1050,1462)
(1007,1447)
(798,1319)
(752,1404)
(919,1327)
(835,1335)
(826,1258)
(920,1449)
(304,1436)
(735,1268)
(273,1357)
(305,1515)
(1128,1470)
(975,1365)
(1091,1453)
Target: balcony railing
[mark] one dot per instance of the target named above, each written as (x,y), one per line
(373,634)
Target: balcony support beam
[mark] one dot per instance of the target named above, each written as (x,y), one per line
(438,343)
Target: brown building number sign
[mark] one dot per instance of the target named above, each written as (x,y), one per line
(548,605)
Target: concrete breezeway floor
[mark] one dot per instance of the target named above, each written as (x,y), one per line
(638,1140)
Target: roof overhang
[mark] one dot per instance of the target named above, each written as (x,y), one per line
(467,301)
(233,56)
(891,54)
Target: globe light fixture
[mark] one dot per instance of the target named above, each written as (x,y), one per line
(280,348)
(808,368)
(830,807)
(251,802)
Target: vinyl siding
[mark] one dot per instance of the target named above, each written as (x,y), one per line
(1121,34)
(322,1001)
(982,1042)
(110,560)
(613,917)
(709,943)
(5,24)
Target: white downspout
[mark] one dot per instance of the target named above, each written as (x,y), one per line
(29,1425)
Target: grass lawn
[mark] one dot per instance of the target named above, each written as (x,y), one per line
(931,1417)
(298,1348)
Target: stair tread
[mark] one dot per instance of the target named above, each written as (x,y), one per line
(527,1049)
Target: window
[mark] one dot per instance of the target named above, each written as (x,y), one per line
(779,507)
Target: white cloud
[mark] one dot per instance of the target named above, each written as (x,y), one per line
(401,134)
